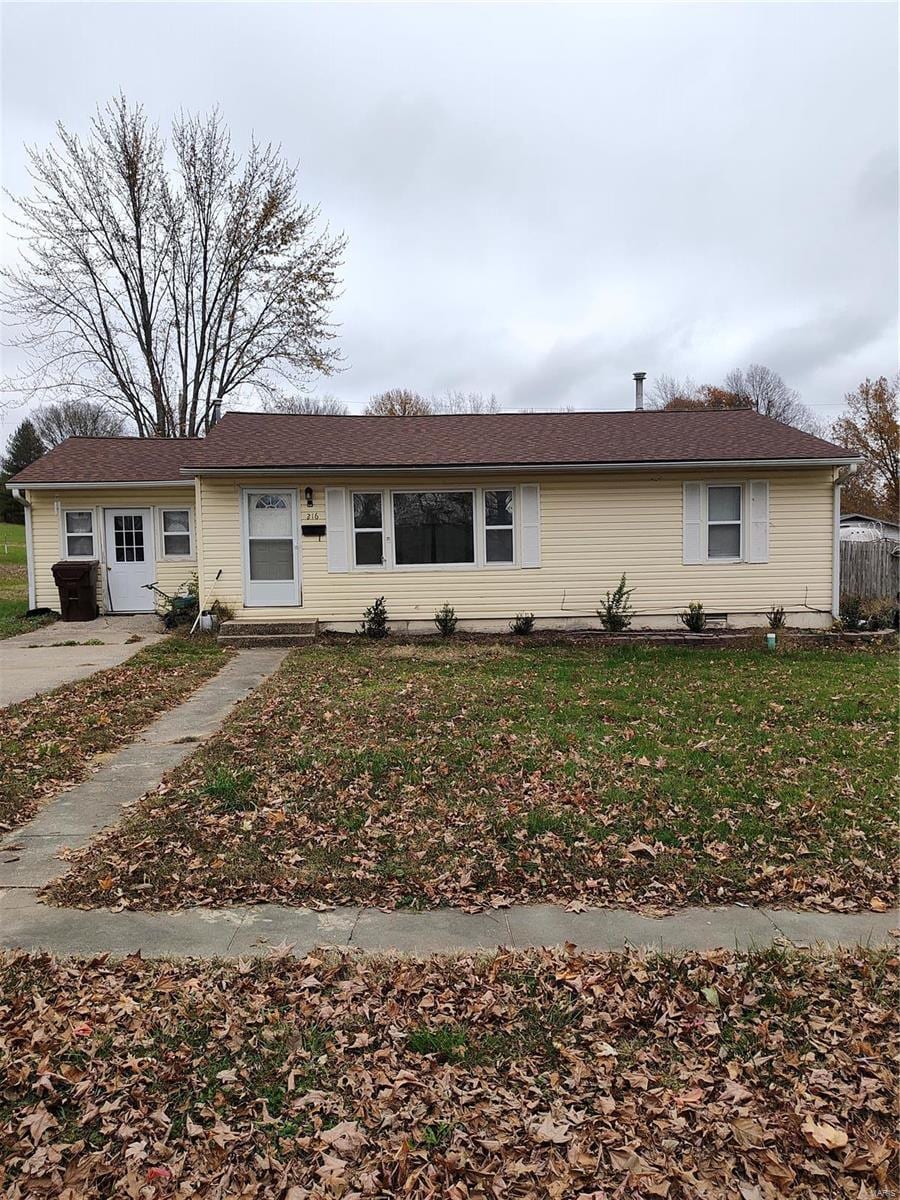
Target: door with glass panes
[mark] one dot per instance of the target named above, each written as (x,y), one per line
(271,549)
(130,561)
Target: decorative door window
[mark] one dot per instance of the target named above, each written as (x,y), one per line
(271,537)
(128,531)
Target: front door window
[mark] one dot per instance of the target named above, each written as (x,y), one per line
(128,530)
(271,537)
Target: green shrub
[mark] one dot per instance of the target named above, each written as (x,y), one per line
(375,620)
(775,617)
(522,624)
(445,618)
(615,612)
(693,617)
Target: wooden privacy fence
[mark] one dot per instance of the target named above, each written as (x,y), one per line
(870,569)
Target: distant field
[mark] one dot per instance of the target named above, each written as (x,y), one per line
(12,544)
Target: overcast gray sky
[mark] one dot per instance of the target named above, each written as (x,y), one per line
(540,199)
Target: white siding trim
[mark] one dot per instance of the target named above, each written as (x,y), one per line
(529,494)
(337,537)
(757,492)
(835,554)
(692,524)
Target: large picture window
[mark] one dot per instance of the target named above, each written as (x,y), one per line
(724,515)
(434,528)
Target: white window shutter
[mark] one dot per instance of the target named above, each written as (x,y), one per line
(692,540)
(758,521)
(336,529)
(529,499)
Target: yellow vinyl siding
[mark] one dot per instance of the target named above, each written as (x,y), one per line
(46,523)
(593,527)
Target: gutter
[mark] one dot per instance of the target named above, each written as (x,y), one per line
(29,546)
(519,468)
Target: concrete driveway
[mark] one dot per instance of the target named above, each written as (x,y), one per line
(36,662)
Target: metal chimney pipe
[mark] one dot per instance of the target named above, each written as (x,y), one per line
(639,377)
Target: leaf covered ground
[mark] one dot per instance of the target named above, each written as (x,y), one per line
(474,775)
(577,1077)
(47,743)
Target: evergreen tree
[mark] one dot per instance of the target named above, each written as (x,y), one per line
(23,447)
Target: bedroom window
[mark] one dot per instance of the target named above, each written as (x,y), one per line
(368,529)
(176,533)
(434,528)
(498,526)
(723,524)
(79,532)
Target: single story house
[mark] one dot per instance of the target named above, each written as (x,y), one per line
(857,527)
(284,517)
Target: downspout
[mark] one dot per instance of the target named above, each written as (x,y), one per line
(198,536)
(839,477)
(29,546)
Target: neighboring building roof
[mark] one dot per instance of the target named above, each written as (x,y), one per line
(111,460)
(268,441)
(271,442)
(867,519)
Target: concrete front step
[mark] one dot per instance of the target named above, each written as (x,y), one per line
(265,641)
(257,628)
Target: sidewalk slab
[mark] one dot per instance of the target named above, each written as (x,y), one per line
(268,925)
(440,931)
(837,929)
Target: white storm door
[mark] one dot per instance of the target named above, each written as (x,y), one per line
(271,559)
(130,561)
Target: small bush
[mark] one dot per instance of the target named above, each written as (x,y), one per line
(230,789)
(693,617)
(522,624)
(853,617)
(881,614)
(375,620)
(775,617)
(615,613)
(223,611)
(445,618)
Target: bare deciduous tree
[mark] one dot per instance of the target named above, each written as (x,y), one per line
(473,403)
(76,418)
(309,406)
(161,293)
(758,387)
(667,392)
(399,402)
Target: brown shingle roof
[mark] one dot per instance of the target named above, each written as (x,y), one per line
(261,441)
(254,440)
(111,460)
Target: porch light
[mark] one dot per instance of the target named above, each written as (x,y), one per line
(308,494)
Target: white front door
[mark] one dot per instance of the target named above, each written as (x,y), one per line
(130,561)
(271,558)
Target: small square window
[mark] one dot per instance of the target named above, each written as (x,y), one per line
(79,527)
(176,531)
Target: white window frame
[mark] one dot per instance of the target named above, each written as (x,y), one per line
(742,523)
(373,529)
(192,553)
(471,565)
(388,532)
(65,535)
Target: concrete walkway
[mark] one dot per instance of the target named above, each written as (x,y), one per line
(28,856)
(241,932)
(36,662)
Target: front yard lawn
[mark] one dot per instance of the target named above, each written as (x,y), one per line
(48,742)
(14,583)
(470,775)
(522,1075)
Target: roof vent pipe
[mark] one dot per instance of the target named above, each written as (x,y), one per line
(639,377)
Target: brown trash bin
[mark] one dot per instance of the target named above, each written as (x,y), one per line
(77,586)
